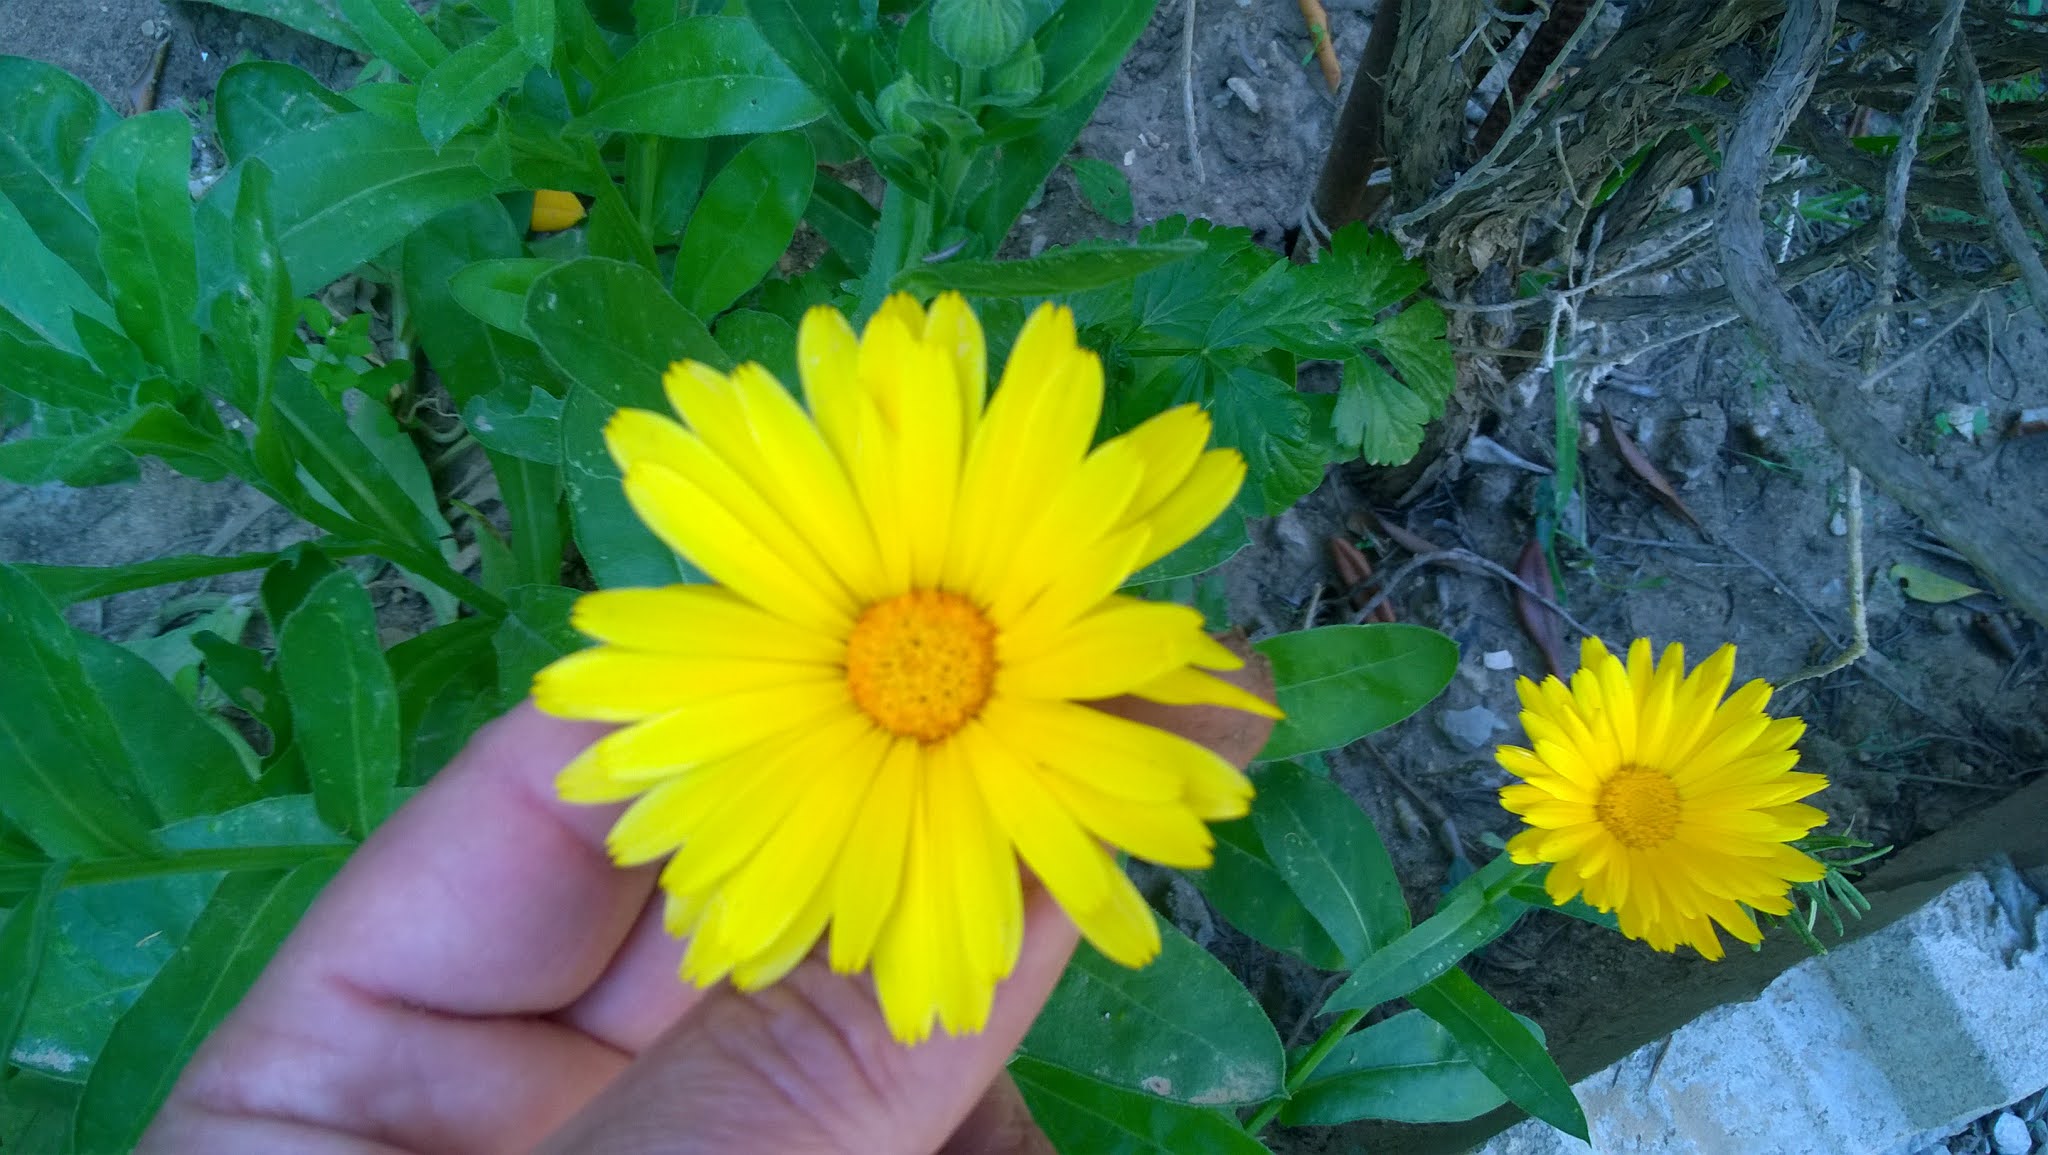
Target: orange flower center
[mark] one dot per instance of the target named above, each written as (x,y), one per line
(921,664)
(1639,807)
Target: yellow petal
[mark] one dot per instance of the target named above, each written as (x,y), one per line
(1091,576)
(1123,645)
(1165,834)
(828,361)
(869,874)
(1169,443)
(1191,687)
(712,727)
(1122,927)
(699,621)
(952,326)
(976,858)
(608,684)
(1071,864)
(1189,510)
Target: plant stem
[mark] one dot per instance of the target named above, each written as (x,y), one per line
(1317,1052)
(429,565)
(16,879)
(650,160)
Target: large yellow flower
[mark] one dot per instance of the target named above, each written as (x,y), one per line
(876,711)
(1658,799)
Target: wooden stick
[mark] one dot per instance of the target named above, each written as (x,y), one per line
(1326,52)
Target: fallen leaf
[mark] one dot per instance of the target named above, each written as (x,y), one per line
(1651,476)
(1354,570)
(1369,522)
(1539,621)
(1235,734)
(1924,585)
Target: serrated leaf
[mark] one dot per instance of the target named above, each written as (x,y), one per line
(259,102)
(744,222)
(1378,416)
(344,705)
(48,122)
(1264,418)
(460,89)
(1340,683)
(390,29)
(1413,340)
(135,183)
(1103,186)
(1330,855)
(702,76)
(1080,1114)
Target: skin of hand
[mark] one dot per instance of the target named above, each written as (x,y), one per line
(481,978)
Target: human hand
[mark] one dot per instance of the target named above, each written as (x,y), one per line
(480,976)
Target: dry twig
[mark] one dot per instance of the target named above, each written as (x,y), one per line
(1463,558)
(1187,92)
(1984,145)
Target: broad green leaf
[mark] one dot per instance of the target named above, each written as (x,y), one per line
(323,444)
(1080,1115)
(612,230)
(36,1112)
(528,427)
(1504,1049)
(1271,423)
(48,121)
(1181,1028)
(1530,890)
(77,453)
(1082,45)
(611,328)
(534,22)
(38,290)
(447,680)
(984,33)
(494,291)
(1378,416)
(390,29)
(472,358)
(70,785)
(236,934)
(253,317)
(192,769)
(1340,683)
(1069,270)
(1406,1068)
(702,76)
(48,375)
(22,940)
(259,102)
(532,493)
(831,44)
(460,89)
(371,421)
(285,585)
(135,183)
(744,222)
(1326,849)
(245,676)
(619,550)
(1249,893)
(844,218)
(1473,914)
(1103,186)
(344,706)
(1414,341)
(316,18)
(1924,585)
(675,168)
(751,335)
(534,632)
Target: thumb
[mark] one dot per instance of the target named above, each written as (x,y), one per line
(809,1066)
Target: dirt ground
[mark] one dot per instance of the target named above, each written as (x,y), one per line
(1949,719)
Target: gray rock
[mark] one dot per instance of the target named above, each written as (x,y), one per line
(2009,1135)
(1470,728)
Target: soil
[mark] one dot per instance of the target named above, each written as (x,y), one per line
(1950,718)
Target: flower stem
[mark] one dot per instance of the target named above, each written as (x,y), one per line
(1317,1052)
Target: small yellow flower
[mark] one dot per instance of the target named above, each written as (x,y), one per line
(877,711)
(1658,799)
(554,210)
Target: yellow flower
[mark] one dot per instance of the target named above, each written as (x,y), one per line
(1658,799)
(554,210)
(875,713)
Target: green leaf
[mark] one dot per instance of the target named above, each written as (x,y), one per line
(236,934)
(36,1112)
(22,939)
(472,358)
(1327,850)
(494,291)
(532,493)
(1378,416)
(1471,917)
(344,706)
(245,676)
(460,89)
(1068,270)
(48,375)
(1924,585)
(984,33)
(702,76)
(1366,269)
(1103,186)
(1340,683)
(534,22)
(65,584)
(744,222)
(315,18)
(620,551)
(1249,893)
(528,427)
(1414,341)
(259,102)
(1080,1114)
(71,787)
(447,681)
(612,230)
(323,444)
(751,335)
(534,632)
(254,317)
(285,586)
(831,45)
(48,121)
(1268,421)
(1505,1050)
(391,30)
(1181,1028)
(1406,1068)
(1082,45)
(1531,891)
(40,291)
(192,768)
(1202,553)
(135,183)
(844,218)
(611,328)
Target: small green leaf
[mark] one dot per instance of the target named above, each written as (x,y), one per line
(1249,893)
(1406,1068)
(1080,1114)
(1504,1049)
(532,493)
(460,89)
(135,184)
(1181,1028)
(1470,917)
(285,585)
(322,443)
(620,551)
(344,705)
(612,328)
(1414,341)
(1068,270)
(528,426)
(48,122)
(254,316)
(390,29)
(447,680)
(227,948)
(1924,585)
(48,375)
(831,45)
(534,22)
(193,769)
(702,76)
(1340,683)
(1377,415)
(1103,186)
(984,33)
(1327,850)
(494,292)
(744,222)
(534,632)
(258,102)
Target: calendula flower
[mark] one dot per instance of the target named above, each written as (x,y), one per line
(554,210)
(876,712)
(1660,801)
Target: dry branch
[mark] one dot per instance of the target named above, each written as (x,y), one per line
(1984,147)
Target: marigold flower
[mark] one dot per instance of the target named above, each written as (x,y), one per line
(876,711)
(1658,799)
(554,210)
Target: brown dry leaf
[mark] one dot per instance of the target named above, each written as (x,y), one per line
(1354,569)
(1539,621)
(1651,476)
(1372,523)
(1236,735)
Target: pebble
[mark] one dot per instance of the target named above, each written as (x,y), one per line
(1130,157)
(2009,1135)
(1470,728)
(1243,89)
(1498,660)
(1839,524)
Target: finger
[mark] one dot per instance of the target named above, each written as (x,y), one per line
(639,997)
(809,1065)
(1000,1124)
(1235,734)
